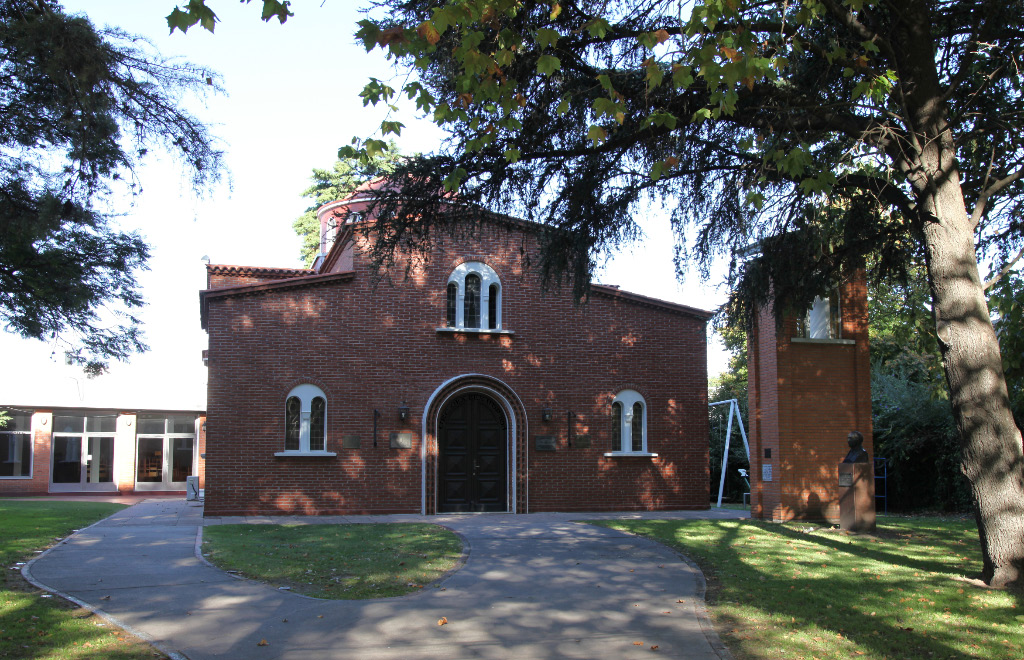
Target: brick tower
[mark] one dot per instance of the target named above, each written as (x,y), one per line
(809,385)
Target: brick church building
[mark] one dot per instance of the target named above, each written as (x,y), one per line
(451,383)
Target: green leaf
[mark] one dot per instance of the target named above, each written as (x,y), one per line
(548,64)
(546,37)
(597,28)
(276,9)
(511,155)
(597,134)
(563,106)
(454,180)
(394,127)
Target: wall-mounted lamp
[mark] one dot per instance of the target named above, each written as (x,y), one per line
(403,412)
(545,414)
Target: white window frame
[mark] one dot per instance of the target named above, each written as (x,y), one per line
(627,398)
(487,278)
(305,393)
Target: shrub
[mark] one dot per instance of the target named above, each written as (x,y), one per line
(914,431)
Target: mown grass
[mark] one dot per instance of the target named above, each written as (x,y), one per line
(34,624)
(797,592)
(345,562)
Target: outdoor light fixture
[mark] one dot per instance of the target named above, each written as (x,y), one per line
(545,414)
(403,412)
(376,416)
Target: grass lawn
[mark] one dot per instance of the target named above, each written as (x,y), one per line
(776,591)
(344,562)
(33,625)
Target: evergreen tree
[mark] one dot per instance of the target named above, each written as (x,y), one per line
(80,108)
(345,176)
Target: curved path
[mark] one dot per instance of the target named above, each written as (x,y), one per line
(535,586)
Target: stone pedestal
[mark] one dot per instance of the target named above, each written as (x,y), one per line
(856,497)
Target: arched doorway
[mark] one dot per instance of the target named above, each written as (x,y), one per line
(472,443)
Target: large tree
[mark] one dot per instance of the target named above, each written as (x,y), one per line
(821,130)
(80,108)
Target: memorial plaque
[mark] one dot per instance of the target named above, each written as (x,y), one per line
(845,479)
(401,440)
(350,441)
(544,442)
(582,441)
(766,473)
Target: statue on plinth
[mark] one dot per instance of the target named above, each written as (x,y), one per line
(857,452)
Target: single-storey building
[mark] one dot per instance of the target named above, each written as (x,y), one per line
(47,450)
(452,382)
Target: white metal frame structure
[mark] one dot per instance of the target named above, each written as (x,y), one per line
(734,411)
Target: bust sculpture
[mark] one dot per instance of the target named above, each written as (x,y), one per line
(857,452)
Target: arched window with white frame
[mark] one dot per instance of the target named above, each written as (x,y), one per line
(473,297)
(629,423)
(305,422)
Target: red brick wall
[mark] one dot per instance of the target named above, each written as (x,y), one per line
(372,343)
(804,400)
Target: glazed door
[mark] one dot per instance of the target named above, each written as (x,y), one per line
(473,455)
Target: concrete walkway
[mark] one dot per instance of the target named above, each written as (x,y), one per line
(535,586)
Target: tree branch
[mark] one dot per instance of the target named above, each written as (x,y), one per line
(1002,273)
(984,195)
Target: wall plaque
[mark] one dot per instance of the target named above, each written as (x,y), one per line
(846,479)
(402,440)
(581,441)
(544,442)
(766,472)
(350,441)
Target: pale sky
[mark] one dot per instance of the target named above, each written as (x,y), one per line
(292,101)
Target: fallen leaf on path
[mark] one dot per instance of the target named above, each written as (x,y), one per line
(654,648)
(442,621)
(638,643)
(263,642)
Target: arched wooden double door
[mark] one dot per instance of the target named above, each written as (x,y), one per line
(472,455)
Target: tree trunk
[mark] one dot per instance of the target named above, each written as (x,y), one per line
(991,452)
(992,455)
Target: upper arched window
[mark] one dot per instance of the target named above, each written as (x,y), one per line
(473,297)
(629,423)
(305,421)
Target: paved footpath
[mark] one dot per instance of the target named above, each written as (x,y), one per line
(535,586)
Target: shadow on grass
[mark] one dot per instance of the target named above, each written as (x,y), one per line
(779,592)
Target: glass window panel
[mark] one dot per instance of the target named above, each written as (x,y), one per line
(317,421)
(18,422)
(150,467)
(15,454)
(99,468)
(68,424)
(182,424)
(453,293)
(67,459)
(182,454)
(492,307)
(637,426)
(101,423)
(616,426)
(823,318)
(292,424)
(151,424)
(471,315)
